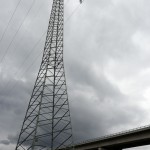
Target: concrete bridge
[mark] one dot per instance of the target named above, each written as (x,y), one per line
(119,141)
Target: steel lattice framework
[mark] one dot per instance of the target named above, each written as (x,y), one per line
(47,123)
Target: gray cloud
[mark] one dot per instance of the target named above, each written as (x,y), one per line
(106,54)
(5,142)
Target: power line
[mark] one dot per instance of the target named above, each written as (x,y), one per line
(6,51)
(35,47)
(72,13)
(31,65)
(10,20)
(32,50)
(28,56)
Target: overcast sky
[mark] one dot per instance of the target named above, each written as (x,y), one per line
(107,64)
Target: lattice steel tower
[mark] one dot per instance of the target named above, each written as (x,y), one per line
(47,123)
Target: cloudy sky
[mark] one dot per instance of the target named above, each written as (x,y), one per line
(107,64)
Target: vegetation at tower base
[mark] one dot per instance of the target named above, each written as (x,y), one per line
(47,123)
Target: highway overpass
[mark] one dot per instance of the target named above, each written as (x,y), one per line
(119,141)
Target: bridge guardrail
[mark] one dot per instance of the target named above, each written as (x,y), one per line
(113,135)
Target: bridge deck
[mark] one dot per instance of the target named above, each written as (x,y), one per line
(130,138)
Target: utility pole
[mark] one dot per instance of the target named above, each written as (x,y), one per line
(47,123)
